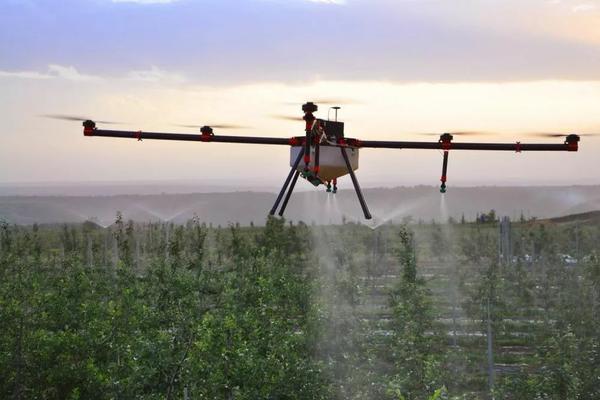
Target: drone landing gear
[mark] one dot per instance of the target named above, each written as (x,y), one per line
(293,173)
(361,199)
(289,193)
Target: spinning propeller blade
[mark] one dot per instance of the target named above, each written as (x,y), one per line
(336,101)
(287,117)
(556,134)
(63,117)
(459,133)
(535,134)
(216,126)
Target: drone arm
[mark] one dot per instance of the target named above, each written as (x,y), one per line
(139,135)
(517,147)
(570,144)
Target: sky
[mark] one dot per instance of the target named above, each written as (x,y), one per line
(401,67)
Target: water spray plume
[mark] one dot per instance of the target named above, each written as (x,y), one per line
(401,210)
(98,222)
(345,216)
(169,217)
(444,210)
(83,218)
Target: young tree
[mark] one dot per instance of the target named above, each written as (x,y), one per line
(415,346)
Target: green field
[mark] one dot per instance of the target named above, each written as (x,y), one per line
(292,311)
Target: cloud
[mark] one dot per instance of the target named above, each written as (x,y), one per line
(70,73)
(54,71)
(24,75)
(399,40)
(584,7)
(155,74)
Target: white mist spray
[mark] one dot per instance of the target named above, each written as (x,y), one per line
(340,324)
(451,265)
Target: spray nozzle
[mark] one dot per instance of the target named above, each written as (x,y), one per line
(443,188)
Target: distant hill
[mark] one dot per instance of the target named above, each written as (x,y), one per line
(592,217)
(419,202)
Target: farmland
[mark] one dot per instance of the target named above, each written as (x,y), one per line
(287,310)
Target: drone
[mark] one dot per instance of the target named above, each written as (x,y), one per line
(323,154)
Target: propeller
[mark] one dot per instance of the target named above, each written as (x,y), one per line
(325,101)
(459,133)
(216,126)
(536,134)
(286,117)
(556,134)
(63,117)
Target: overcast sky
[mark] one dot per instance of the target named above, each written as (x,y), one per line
(409,65)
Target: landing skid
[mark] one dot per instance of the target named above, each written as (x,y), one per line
(313,178)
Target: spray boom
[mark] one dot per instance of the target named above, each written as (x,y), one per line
(446,142)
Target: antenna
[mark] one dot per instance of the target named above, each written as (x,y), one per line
(336,108)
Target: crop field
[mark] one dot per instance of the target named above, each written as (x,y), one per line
(290,311)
